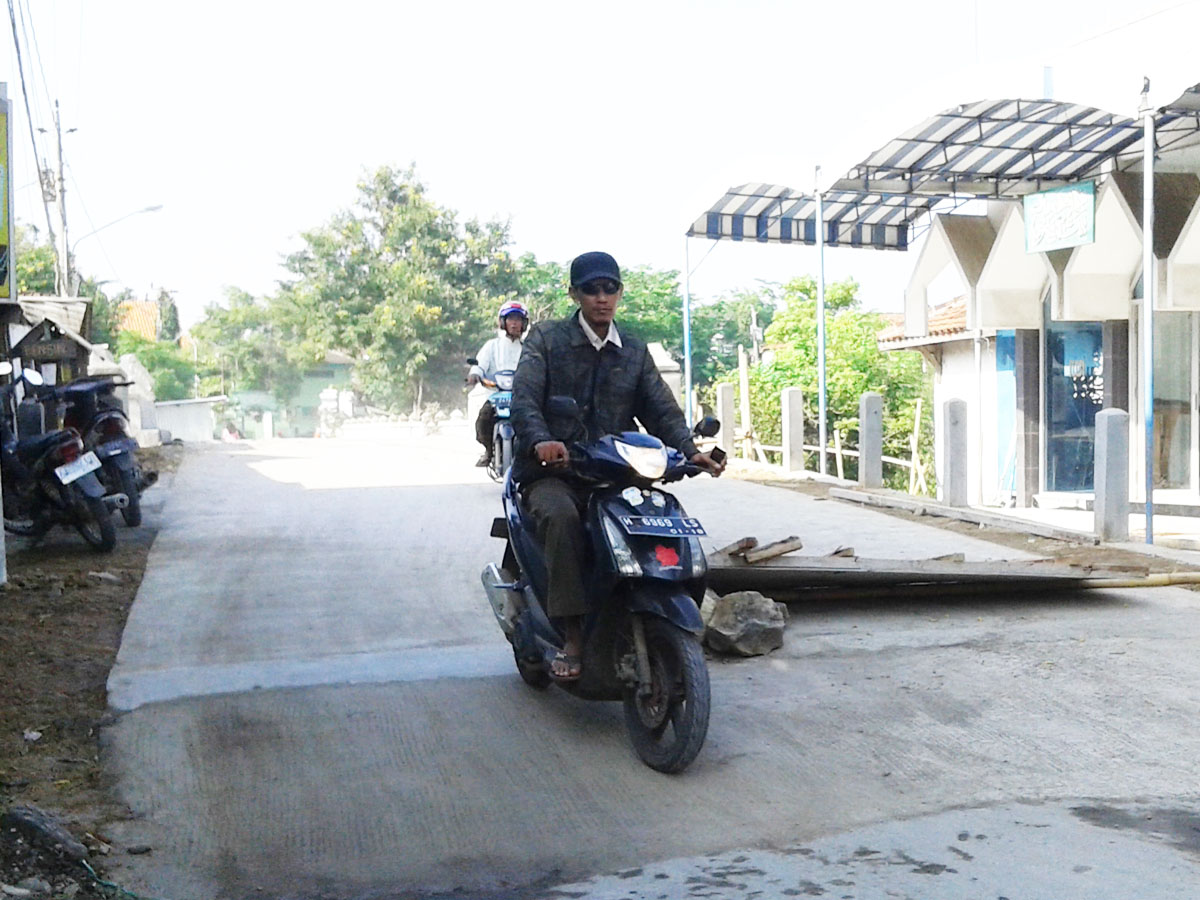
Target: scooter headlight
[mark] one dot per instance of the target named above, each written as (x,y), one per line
(649,462)
(627,564)
(504,381)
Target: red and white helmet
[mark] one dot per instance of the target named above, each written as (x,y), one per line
(512,308)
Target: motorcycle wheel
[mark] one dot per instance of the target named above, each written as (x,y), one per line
(506,451)
(94,522)
(132,514)
(495,468)
(669,725)
(532,675)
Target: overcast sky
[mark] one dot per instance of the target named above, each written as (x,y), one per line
(606,125)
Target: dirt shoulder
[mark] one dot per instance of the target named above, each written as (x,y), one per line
(61,617)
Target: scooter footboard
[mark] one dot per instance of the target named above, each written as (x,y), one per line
(671,602)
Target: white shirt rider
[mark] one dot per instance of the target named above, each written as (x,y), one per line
(500,354)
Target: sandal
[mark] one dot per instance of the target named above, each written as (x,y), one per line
(562,667)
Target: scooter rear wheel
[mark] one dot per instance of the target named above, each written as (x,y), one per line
(668,726)
(94,523)
(132,514)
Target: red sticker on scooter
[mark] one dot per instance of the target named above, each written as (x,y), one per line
(667,557)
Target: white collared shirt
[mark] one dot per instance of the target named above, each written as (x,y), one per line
(595,340)
(500,354)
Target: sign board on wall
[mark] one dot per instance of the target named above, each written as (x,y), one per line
(1061,217)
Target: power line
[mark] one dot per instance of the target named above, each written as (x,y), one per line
(12,16)
(1132,22)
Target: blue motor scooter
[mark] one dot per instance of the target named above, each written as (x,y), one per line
(641,638)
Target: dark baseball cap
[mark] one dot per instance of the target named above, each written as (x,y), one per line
(590,266)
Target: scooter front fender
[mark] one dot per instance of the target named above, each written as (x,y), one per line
(668,602)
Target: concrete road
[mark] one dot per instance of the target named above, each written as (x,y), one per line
(315,701)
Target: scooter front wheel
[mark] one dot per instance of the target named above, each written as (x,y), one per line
(531,673)
(668,722)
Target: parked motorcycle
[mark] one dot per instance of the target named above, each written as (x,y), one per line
(91,409)
(502,430)
(50,479)
(647,577)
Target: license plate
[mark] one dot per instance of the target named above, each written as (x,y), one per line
(502,400)
(662,526)
(112,448)
(77,468)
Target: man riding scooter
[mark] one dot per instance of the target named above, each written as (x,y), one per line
(613,379)
(500,354)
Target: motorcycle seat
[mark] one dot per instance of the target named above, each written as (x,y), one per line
(30,448)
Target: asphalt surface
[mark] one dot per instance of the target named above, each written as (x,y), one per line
(314,701)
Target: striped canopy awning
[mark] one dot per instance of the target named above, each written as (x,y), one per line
(996,148)
(772,213)
(987,149)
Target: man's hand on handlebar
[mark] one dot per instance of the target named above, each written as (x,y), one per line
(552,454)
(472,380)
(708,464)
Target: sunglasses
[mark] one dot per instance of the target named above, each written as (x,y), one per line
(600,286)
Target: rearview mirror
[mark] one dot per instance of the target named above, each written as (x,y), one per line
(708,427)
(472,361)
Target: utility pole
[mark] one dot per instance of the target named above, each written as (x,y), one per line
(68,265)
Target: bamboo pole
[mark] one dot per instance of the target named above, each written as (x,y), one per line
(837,449)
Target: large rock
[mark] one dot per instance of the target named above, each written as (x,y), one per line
(745,623)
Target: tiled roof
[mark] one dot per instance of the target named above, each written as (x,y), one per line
(947,319)
(140,317)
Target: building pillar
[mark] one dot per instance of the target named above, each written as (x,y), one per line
(792,402)
(1027,424)
(955,442)
(870,440)
(726,437)
(1115,359)
(1112,475)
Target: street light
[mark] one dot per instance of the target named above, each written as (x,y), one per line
(71,279)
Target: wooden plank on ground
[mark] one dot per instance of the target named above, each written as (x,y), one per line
(774,549)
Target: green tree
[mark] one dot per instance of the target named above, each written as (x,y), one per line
(720,327)
(168,316)
(854,365)
(399,285)
(241,346)
(172,372)
(35,264)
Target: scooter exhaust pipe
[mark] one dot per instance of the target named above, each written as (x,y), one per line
(116,501)
(505,601)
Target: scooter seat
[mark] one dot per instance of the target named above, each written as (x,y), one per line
(30,448)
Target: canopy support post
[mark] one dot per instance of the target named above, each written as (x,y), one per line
(1148,285)
(687,331)
(822,437)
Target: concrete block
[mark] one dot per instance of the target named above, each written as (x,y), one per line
(870,440)
(1111,507)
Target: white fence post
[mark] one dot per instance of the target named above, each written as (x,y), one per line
(870,440)
(792,402)
(1111,506)
(725,412)
(954,490)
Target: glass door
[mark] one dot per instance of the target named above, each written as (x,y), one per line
(1074,394)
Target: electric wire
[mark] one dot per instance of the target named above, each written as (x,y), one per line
(92,225)
(12,15)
